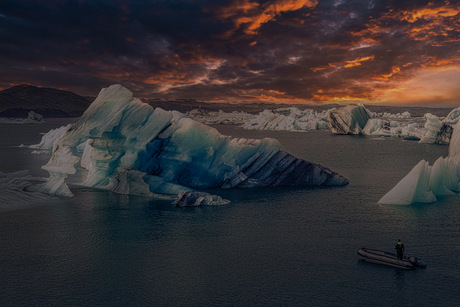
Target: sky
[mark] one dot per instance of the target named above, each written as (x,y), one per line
(296,51)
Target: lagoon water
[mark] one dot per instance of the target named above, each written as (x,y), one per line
(277,246)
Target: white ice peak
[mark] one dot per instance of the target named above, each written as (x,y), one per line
(128,147)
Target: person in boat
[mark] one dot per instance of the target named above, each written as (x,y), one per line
(399,249)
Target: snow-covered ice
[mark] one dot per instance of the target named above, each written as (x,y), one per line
(128,147)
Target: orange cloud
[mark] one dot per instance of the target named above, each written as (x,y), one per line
(263,94)
(167,77)
(432,86)
(438,25)
(444,63)
(252,15)
(385,77)
(340,98)
(315,69)
(429,13)
(338,95)
(357,61)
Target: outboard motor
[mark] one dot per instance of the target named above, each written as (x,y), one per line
(417,262)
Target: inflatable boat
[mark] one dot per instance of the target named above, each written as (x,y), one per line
(386,258)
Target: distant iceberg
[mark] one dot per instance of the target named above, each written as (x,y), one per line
(288,119)
(351,119)
(430,132)
(424,182)
(32,118)
(128,147)
(220,117)
(348,120)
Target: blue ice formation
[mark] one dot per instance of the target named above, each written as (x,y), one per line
(350,119)
(425,183)
(128,147)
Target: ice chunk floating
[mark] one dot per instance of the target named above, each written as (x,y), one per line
(424,182)
(128,147)
(348,120)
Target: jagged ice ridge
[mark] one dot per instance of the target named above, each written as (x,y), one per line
(425,183)
(128,147)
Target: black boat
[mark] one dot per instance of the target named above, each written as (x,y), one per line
(387,258)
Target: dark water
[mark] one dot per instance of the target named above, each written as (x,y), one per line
(284,246)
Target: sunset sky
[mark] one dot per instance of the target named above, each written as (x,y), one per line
(366,51)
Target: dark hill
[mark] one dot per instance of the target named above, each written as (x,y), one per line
(17,101)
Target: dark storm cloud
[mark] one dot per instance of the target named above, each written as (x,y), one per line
(293,50)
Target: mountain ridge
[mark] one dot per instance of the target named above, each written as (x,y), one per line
(19,100)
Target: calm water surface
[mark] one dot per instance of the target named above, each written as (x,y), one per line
(283,246)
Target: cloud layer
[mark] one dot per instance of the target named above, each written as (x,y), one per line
(237,50)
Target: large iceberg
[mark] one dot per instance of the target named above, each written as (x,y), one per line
(126,146)
(424,182)
(348,120)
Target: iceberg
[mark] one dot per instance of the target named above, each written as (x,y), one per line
(348,120)
(425,183)
(409,131)
(453,117)
(50,138)
(447,126)
(433,131)
(412,188)
(195,199)
(124,145)
(32,118)
(379,127)
(220,117)
(288,119)
(433,126)
(444,134)
(403,115)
